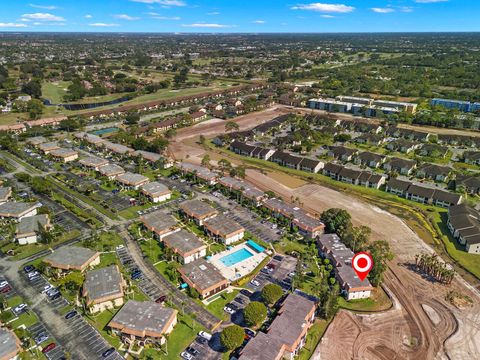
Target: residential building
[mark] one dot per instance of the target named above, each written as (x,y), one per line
(204,278)
(464,106)
(117,148)
(397,187)
(103,288)
(72,258)
(144,321)
(130,180)
(156,192)
(111,171)
(48,147)
(159,223)
(369,159)
(471,157)
(199,172)
(92,162)
(223,229)
(5,194)
(29,229)
(185,245)
(403,146)
(10,345)
(470,183)
(400,166)
(464,224)
(433,150)
(331,247)
(330,105)
(287,334)
(307,225)
(17,210)
(197,210)
(434,172)
(64,155)
(342,153)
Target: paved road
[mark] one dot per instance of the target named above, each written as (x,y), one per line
(204,317)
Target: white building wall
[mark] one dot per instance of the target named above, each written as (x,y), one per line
(352,295)
(162,198)
(27,240)
(233,239)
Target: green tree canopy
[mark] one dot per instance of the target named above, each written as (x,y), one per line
(232,337)
(336,220)
(271,293)
(255,313)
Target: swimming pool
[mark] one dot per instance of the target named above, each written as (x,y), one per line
(236,257)
(105,131)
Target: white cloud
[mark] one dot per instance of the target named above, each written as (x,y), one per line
(406,9)
(42,17)
(213,13)
(327,16)
(46,7)
(12,25)
(125,17)
(429,1)
(206,25)
(328,8)
(102,25)
(163,2)
(88,16)
(383,10)
(259,21)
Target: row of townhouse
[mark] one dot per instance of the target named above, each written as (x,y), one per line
(53,149)
(422,194)
(464,224)
(24,126)
(307,224)
(391,164)
(287,334)
(331,247)
(279,157)
(352,176)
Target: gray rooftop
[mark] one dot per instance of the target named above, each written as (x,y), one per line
(36,140)
(8,343)
(143,316)
(48,146)
(183,241)
(103,283)
(202,273)
(155,188)
(70,256)
(158,220)
(223,225)
(131,178)
(147,155)
(15,209)
(117,148)
(262,347)
(62,152)
(111,169)
(197,207)
(93,161)
(30,224)
(5,192)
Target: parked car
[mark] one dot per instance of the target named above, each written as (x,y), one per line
(108,352)
(3,283)
(161,299)
(41,338)
(52,292)
(254,282)
(5,289)
(33,274)
(205,335)
(278,257)
(49,347)
(251,333)
(20,308)
(192,351)
(187,356)
(246,292)
(55,297)
(47,288)
(71,314)
(201,340)
(229,310)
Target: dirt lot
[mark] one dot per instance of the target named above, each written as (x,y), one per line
(403,333)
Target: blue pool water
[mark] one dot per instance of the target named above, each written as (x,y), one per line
(236,257)
(255,246)
(104,131)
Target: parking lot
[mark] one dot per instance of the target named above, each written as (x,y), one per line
(278,271)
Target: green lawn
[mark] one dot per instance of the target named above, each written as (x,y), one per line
(216,306)
(313,338)
(54,91)
(100,321)
(379,301)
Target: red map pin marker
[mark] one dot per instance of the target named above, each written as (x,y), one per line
(362,263)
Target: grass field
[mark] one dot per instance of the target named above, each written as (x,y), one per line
(379,301)
(54,91)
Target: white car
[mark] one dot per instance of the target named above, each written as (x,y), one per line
(187,356)
(20,308)
(255,282)
(205,335)
(229,310)
(47,287)
(3,284)
(33,274)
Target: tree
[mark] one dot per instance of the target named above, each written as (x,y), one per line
(241,171)
(202,139)
(271,293)
(35,108)
(255,313)
(170,133)
(231,126)
(358,238)
(33,88)
(381,253)
(232,337)
(336,220)
(206,160)
(132,118)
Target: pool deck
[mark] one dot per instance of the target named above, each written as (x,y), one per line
(242,268)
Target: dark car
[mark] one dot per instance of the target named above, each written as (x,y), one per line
(201,340)
(161,299)
(192,351)
(239,300)
(108,352)
(55,297)
(28,268)
(71,314)
(232,306)
(49,347)
(246,292)
(5,289)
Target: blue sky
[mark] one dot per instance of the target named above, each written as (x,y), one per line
(240,15)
